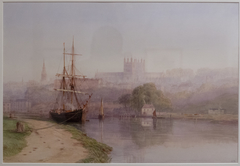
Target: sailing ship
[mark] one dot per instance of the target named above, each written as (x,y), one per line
(101,114)
(69,107)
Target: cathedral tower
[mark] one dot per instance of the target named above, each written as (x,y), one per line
(44,73)
(134,69)
(134,66)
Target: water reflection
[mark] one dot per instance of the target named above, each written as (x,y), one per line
(154,123)
(101,128)
(146,140)
(146,131)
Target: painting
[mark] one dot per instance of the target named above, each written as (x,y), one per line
(120,82)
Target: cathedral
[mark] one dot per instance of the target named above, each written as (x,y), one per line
(133,74)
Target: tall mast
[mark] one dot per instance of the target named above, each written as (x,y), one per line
(63,73)
(64,58)
(69,86)
(72,87)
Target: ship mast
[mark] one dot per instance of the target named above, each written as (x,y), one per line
(70,88)
(63,73)
(72,82)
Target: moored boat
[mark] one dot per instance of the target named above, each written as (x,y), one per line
(69,107)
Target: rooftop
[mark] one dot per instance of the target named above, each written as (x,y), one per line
(148,106)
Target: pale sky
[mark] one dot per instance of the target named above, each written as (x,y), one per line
(166,35)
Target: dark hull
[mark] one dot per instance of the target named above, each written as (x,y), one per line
(100,116)
(74,116)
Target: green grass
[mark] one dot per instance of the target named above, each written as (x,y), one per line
(13,142)
(98,152)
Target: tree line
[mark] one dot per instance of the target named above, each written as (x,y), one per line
(146,94)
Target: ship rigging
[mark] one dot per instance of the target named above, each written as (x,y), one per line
(69,107)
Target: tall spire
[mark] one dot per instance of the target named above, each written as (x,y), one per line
(44,73)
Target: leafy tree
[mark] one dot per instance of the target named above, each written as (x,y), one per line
(125,100)
(138,97)
(149,94)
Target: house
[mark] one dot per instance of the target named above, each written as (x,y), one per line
(148,109)
(216,111)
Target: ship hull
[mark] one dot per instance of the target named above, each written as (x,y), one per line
(74,116)
(100,116)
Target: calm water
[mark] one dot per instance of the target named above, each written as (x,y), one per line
(165,140)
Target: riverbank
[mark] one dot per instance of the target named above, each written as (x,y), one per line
(221,117)
(98,152)
(57,144)
(166,115)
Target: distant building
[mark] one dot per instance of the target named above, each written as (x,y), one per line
(6,107)
(134,71)
(14,86)
(148,109)
(216,111)
(20,105)
(134,74)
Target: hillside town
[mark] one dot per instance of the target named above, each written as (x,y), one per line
(182,86)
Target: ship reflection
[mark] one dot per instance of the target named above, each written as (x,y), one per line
(154,123)
(101,120)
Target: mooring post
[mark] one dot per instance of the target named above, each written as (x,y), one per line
(20,127)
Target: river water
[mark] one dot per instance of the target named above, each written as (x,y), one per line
(144,140)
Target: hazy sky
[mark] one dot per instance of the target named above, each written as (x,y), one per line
(166,35)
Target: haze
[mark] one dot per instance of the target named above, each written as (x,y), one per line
(166,35)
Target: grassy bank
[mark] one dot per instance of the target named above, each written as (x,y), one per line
(98,152)
(13,142)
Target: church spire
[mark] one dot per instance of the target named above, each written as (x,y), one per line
(44,73)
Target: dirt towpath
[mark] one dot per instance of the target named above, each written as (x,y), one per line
(51,145)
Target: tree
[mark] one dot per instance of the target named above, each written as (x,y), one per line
(149,94)
(125,100)
(138,98)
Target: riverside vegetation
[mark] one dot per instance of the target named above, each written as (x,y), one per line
(146,93)
(98,152)
(13,142)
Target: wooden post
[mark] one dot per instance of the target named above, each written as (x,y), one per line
(20,127)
